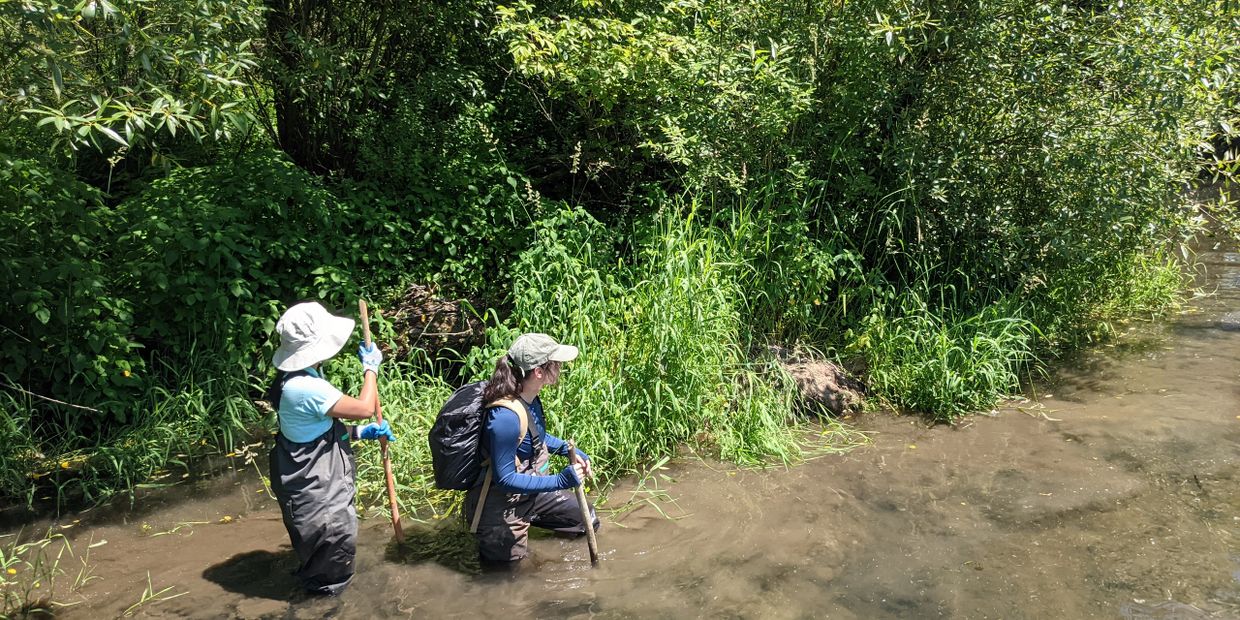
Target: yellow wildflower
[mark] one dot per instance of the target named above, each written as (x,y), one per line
(64,464)
(12,571)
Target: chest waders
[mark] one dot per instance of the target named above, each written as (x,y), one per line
(501,521)
(315,483)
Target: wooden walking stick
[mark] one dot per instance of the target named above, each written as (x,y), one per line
(383,442)
(585,508)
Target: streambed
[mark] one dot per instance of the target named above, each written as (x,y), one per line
(1111,493)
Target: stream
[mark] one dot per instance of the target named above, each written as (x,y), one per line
(1109,493)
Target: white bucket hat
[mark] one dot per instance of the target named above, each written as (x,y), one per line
(309,334)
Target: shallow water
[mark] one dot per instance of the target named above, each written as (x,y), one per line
(1111,493)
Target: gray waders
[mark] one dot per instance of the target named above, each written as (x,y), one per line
(504,522)
(315,485)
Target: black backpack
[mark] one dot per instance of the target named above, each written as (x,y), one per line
(456,437)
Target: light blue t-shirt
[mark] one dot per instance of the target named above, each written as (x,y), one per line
(304,406)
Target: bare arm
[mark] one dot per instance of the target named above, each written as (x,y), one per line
(362,407)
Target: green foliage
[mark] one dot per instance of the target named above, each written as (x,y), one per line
(470,208)
(118,313)
(79,459)
(940,193)
(949,366)
(204,256)
(661,360)
(336,67)
(18,451)
(680,82)
(797,282)
(64,323)
(215,254)
(109,74)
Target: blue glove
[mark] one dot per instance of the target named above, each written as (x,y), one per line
(585,462)
(375,430)
(370,357)
(568,478)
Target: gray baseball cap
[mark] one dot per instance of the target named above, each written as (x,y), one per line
(533,350)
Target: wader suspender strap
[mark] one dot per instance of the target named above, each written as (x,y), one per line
(523,416)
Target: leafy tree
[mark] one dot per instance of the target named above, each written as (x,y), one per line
(128,74)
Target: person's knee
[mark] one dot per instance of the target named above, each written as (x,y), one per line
(501,544)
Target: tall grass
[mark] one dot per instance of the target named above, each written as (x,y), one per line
(205,410)
(18,447)
(410,401)
(1086,302)
(661,359)
(930,360)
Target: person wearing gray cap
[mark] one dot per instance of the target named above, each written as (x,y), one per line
(518,447)
(312,471)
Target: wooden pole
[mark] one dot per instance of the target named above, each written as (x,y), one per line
(383,442)
(585,507)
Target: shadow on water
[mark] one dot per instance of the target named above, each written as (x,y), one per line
(257,574)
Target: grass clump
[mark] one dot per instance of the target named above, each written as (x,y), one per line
(31,571)
(662,361)
(193,413)
(931,361)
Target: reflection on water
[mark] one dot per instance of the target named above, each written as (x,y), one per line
(1111,493)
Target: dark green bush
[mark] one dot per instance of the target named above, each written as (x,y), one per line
(67,328)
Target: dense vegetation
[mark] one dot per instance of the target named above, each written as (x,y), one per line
(938,194)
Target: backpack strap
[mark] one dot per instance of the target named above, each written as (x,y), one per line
(276,391)
(523,416)
(517,406)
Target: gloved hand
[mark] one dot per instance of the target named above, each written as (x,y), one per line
(584,459)
(572,475)
(370,357)
(375,430)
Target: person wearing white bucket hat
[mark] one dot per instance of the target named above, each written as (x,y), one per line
(312,469)
(516,440)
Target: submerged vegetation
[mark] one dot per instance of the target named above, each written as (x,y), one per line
(940,196)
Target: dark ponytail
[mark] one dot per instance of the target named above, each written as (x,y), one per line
(505,381)
(276,389)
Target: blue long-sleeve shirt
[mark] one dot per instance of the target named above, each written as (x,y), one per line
(500,440)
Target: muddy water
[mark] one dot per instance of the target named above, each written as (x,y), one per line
(1112,493)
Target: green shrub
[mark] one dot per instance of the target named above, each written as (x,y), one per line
(934,362)
(67,331)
